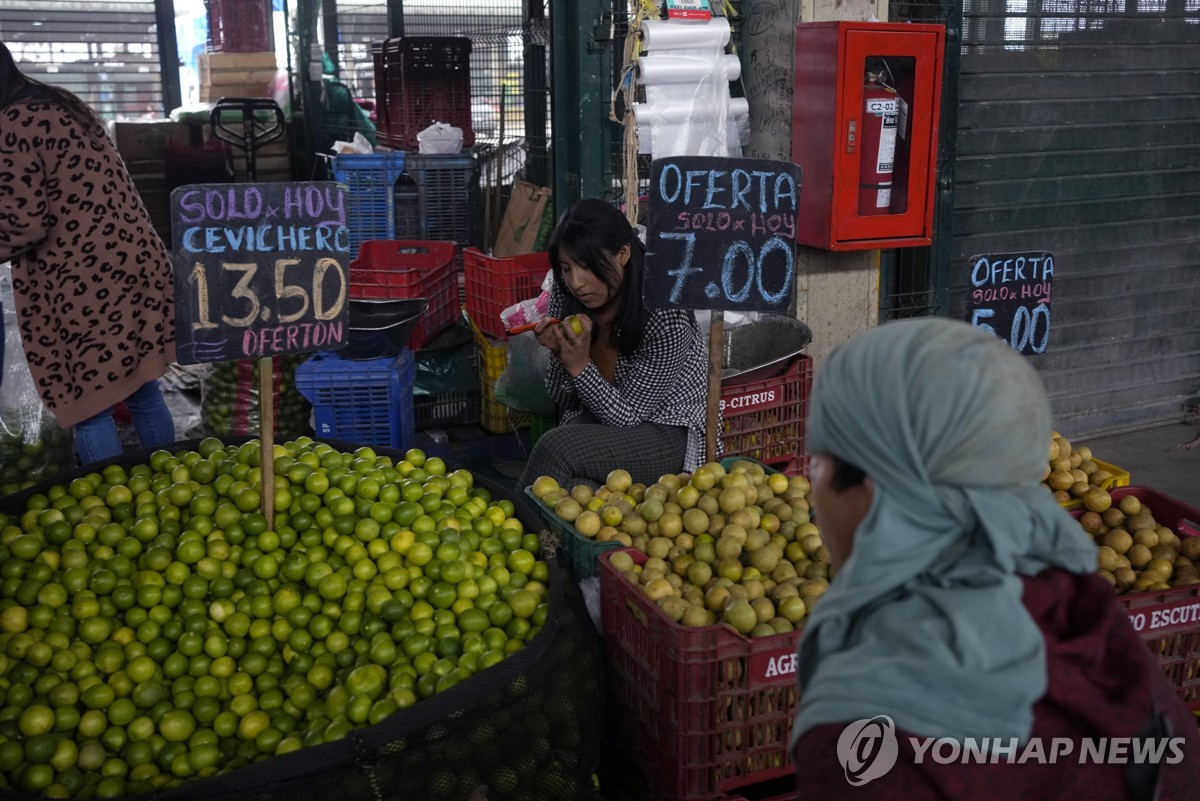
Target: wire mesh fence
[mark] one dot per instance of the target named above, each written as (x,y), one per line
(509,76)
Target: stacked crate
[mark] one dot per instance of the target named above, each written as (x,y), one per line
(391,269)
(492,285)
(420,80)
(371,180)
(238,26)
(364,402)
(432,201)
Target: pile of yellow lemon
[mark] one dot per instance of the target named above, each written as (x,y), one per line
(732,546)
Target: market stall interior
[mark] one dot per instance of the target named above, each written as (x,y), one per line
(330,585)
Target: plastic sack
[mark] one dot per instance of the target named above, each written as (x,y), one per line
(447,370)
(33,446)
(229,399)
(439,139)
(522,385)
(529,311)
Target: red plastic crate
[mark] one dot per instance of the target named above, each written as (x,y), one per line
(766,419)
(707,709)
(796,466)
(1174,642)
(237,26)
(397,268)
(427,79)
(784,796)
(781,789)
(493,284)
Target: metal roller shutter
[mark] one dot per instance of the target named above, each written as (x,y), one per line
(1078,133)
(105,52)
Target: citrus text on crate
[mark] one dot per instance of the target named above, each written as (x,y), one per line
(1089,751)
(750,399)
(1161,618)
(1001,272)
(781,666)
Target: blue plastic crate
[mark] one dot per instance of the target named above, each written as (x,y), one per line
(371,179)
(364,402)
(436,204)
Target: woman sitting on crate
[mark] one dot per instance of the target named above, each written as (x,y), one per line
(966,604)
(631,383)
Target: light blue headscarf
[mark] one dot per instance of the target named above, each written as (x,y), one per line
(925,622)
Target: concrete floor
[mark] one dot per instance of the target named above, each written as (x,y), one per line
(1153,459)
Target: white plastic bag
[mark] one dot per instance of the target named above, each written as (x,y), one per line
(32,444)
(439,138)
(357,145)
(529,311)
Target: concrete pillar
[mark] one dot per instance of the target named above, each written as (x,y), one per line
(837,294)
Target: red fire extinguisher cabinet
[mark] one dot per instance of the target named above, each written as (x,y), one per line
(833,60)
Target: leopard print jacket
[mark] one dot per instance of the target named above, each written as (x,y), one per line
(91,277)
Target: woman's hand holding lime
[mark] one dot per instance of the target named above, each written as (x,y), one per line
(547,333)
(569,340)
(575,350)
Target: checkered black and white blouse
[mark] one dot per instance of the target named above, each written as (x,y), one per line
(665,381)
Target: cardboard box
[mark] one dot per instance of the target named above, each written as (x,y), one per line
(211,94)
(522,218)
(141,140)
(145,168)
(236,69)
(150,182)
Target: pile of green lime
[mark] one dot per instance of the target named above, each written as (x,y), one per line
(154,630)
(230,405)
(31,453)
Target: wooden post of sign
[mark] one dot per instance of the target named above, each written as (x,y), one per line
(716,354)
(266,429)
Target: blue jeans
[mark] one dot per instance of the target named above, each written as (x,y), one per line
(96,438)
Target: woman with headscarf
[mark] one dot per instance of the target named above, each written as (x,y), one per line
(92,279)
(966,604)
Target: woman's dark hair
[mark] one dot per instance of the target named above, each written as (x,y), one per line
(592,233)
(845,475)
(15,85)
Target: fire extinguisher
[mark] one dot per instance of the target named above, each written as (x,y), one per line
(878,145)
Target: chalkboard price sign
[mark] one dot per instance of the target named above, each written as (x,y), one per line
(721,233)
(1009,296)
(260,270)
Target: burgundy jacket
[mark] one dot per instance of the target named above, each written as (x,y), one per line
(1102,679)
